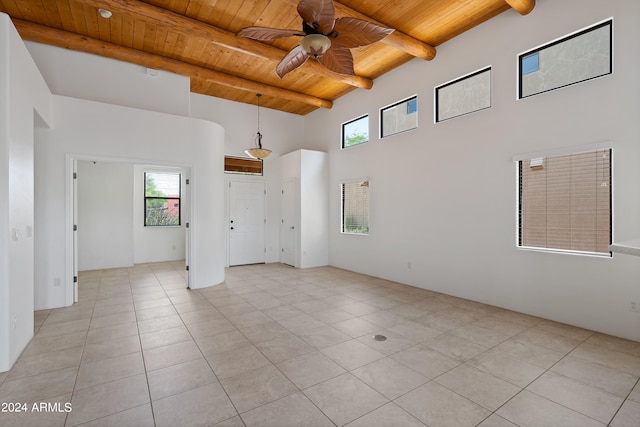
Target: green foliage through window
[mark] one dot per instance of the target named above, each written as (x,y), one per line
(355,132)
(161,199)
(355,139)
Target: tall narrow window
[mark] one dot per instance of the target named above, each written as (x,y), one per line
(565,202)
(355,207)
(161,199)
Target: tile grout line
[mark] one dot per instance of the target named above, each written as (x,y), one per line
(289,281)
(144,362)
(84,344)
(624,401)
(538,377)
(275,365)
(461,363)
(272,363)
(488,373)
(205,358)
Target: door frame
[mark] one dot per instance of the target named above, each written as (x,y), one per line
(71,160)
(296,221)
(74,199)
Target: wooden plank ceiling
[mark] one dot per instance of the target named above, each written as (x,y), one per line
(196,38)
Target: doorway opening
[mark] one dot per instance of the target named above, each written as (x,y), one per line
(106,219)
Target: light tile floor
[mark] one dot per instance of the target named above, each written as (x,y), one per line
(276,346)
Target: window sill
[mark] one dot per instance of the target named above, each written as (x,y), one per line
(629,247)
(564,251)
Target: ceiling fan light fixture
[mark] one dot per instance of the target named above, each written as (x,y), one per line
(315,44)
(258,152)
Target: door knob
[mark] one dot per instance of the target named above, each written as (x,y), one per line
(232,228)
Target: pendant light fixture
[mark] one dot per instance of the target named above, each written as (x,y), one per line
(258,152)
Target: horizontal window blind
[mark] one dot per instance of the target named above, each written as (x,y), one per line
(355,207)
(565,202)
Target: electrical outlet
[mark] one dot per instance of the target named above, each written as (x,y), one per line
(633,306)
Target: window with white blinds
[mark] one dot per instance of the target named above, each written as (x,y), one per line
(565,202)
(355,207)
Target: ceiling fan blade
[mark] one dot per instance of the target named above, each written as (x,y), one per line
(354,32)
(339,60)
(318,14)
(294,59)
(264,33)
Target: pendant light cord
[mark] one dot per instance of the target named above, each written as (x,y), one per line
(259,135)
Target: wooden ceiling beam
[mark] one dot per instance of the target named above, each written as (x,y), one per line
(41,34)
(397,39)
(523,7)
(193,27)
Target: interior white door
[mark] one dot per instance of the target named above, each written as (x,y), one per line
(288,224)
(246,222)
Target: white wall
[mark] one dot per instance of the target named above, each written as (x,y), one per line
(25,101)
(157,244)
(88,130)
(443,197)
(95,78)
(111,231)
(310,170)
(314,214)
(91,77)
(283,133)
(105,215)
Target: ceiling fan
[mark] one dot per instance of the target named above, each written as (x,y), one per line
(325,38)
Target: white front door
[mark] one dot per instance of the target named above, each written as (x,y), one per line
(288,224)
(246,222)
